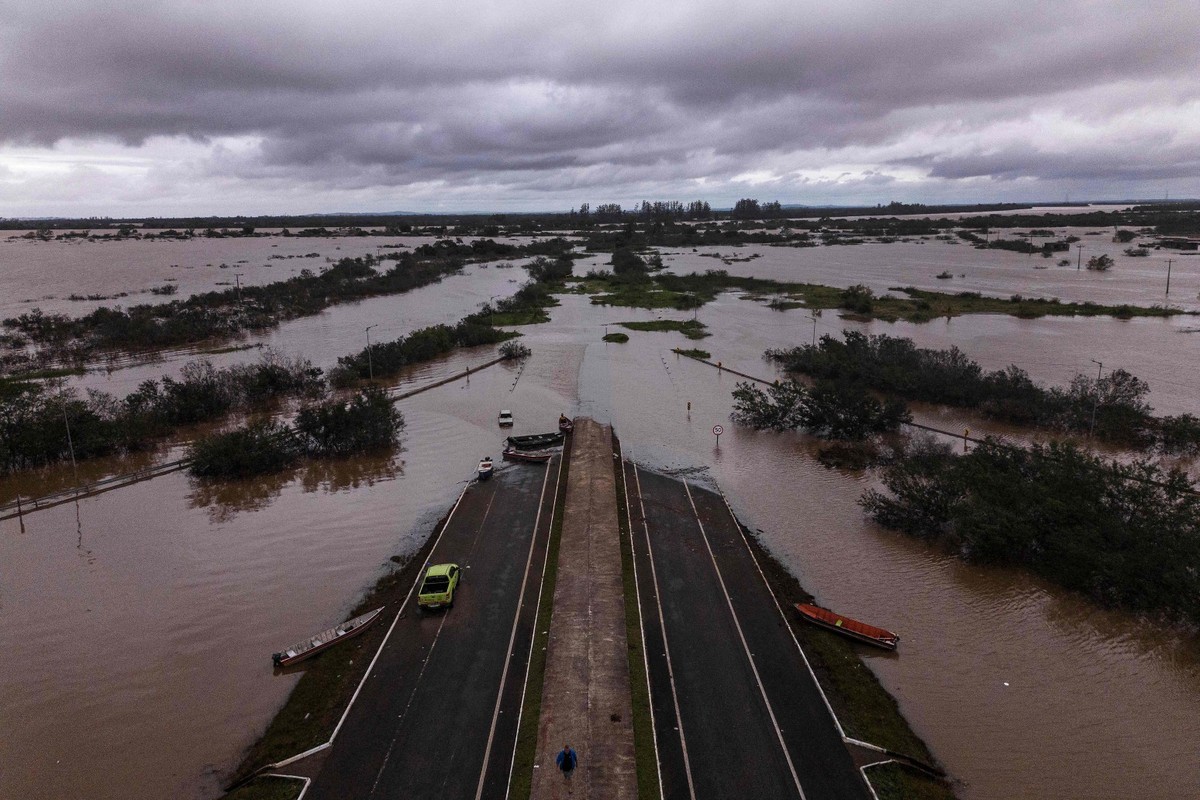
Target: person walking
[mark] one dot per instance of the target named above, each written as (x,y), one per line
(567,760)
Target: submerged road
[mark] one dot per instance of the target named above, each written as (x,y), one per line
(437,717)
(737,713)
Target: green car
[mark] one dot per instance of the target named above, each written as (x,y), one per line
(437,590)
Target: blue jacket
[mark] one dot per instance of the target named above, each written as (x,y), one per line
(567,759)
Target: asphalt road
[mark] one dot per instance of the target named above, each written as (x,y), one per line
(737,713)
(437,718)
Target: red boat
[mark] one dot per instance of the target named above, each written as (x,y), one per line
(880,637)
(528,456)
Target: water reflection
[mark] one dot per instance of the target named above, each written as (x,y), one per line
(225,499)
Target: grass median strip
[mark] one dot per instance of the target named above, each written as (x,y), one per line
(268,788)
(643,724)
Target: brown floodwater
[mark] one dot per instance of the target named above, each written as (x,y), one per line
(136,627)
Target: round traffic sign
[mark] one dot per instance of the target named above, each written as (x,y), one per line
(718,430)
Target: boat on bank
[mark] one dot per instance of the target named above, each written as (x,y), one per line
(486,468)
(527,456)
(880,637)
(565,424)
(325,639)
(536,441)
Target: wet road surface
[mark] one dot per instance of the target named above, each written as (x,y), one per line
(438,715)
(737,712)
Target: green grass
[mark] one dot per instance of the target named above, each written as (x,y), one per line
(665,290)
(526,746)
(645,754)
(616,338)
(898,782)
(531,316)
(692,352)
(267,788)
(692,329)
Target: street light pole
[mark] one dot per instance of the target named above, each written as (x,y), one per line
(1079,259)
(1096,397)
(237,280)
(814,322)
(370,365)
(1170,261)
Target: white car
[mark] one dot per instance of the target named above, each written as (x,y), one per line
(505,419)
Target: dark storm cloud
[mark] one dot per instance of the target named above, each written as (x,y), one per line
(551,95)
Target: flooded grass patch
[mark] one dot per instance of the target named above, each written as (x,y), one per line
(616,338)
(692,329)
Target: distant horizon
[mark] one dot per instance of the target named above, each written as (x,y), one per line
(626,209)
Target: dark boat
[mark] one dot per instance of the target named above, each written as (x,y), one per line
(486,468)
(537,441)
(325,639)
(880,637)
(565,424)
(529,456)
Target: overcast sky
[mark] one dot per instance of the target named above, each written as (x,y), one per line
(181,107)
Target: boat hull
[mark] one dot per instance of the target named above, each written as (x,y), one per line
(851,628)
(527,456)
(536,441)
(326,639)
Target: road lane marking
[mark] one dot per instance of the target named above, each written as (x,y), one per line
(512,763)
(687,762)
(416,686)
(804,656)
(512,637)
(641,621)
(737,624)
(371,666)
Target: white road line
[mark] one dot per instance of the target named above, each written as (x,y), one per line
(841,731)
(533,639)
(737,624)
(416,686)
(371,666)
(641,623)
(508,653)
(687,762)
(428,656)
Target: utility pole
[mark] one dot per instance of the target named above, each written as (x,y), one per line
(1170,261)
(814,322)
(1096,398)
(1079,260)
(237,280)
(370,365)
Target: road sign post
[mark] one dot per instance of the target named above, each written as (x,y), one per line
(717,431)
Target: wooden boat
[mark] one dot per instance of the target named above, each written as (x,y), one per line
(536,441)
(880,637)
(325,639)
(565,424)
(529,456)
(486,468)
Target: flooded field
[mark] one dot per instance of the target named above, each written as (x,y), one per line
(136,627)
